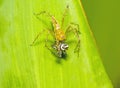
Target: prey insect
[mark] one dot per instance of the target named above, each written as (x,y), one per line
(60,46)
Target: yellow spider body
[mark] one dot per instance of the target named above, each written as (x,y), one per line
(59,35)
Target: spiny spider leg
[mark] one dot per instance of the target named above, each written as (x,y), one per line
(64,14)
(42,12)
(36,38)
(75,28)
(47,46)
(44,30)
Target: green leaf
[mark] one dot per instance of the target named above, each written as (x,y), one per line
(25,66)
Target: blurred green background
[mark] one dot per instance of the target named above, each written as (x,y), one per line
(104,19)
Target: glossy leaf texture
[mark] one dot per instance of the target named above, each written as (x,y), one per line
(25,66)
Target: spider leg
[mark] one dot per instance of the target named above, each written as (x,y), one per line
(42,12)
(64,14)
(40,33)
(72,27)
(49,47)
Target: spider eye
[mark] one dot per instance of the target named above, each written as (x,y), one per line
(64,46)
